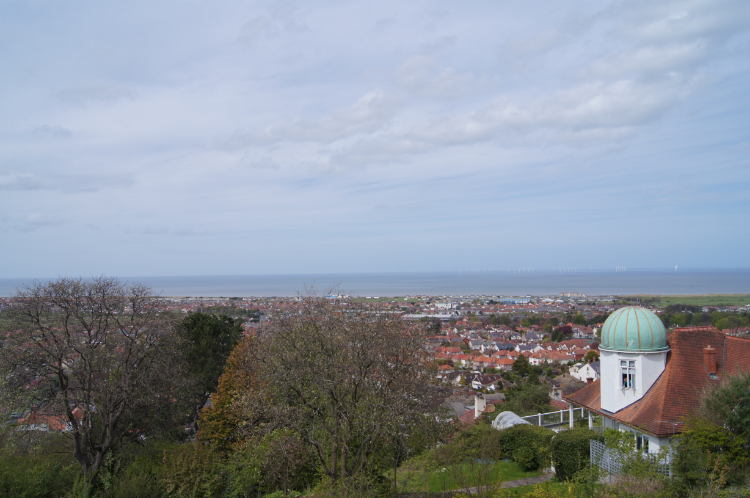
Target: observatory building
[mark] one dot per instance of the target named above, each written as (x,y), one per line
(650,380)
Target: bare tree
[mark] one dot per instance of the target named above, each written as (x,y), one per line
(96,355)
(345,377)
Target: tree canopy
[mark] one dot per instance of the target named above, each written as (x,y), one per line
(208,339)
(98,356)
(334,369)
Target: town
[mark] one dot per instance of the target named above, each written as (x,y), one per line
(566,373)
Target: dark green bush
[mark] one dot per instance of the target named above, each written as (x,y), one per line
(570,451)
(511,439)
(26,476)
(526,458)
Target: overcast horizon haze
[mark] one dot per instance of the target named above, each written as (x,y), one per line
(233,138)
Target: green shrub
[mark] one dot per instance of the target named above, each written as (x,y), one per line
(278,462)
(510,440)
(26,476)
(136,485)
(192,470)
(570,451)
(526,458)
(476,441)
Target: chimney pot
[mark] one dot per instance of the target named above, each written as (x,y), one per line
(709,359)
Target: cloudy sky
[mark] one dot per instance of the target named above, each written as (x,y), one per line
(234,137)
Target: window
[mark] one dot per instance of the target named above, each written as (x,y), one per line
(627,369)
(641,443)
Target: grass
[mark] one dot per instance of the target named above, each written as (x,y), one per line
(698,300)
(559,488)
(420,477)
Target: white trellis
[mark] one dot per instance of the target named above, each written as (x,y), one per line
(608,461)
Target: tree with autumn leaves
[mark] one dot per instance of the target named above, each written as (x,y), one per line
(238,409)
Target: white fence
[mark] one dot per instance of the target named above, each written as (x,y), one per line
(554,418)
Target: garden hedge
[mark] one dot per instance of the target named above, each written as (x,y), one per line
(570,451)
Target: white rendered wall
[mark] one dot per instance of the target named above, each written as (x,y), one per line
(655,444)
(648,367)
(584,373)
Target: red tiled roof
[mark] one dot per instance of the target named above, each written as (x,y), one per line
(558,404)
(677,391)
(467,418)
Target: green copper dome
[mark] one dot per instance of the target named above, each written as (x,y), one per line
(634,329)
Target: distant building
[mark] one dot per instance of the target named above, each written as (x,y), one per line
(514,300)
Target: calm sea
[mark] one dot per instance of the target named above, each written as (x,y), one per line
(537,283)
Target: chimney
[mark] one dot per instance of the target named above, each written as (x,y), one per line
(479,405)
(589,380)
(709,359)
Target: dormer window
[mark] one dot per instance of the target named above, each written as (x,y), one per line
(627,373)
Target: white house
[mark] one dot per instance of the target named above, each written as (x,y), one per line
(587,371)
(650,381)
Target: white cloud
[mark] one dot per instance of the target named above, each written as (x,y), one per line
(274,126)
(369,113)
(599,105)
(35,221)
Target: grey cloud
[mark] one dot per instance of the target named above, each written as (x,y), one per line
(96,93)
(51,131)
(652,61)
(684,21)
(180,232)
(255,28)
(518,53)
(370,112)
(289,16)
(282,17)
(397,207)
(66,183)
(35,221)
(264,162)
(384,23)
(418,75)
(439,44)
(383,149)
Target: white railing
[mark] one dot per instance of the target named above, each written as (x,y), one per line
(554,418)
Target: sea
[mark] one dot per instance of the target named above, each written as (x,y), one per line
(455,283)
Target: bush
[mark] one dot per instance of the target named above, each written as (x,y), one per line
(482,441)
(526,458)
(510,440)
(278,462)
(25,476)
(570,451)
(192,470)
(136,485)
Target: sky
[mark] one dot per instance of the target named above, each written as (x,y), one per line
(167,138)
